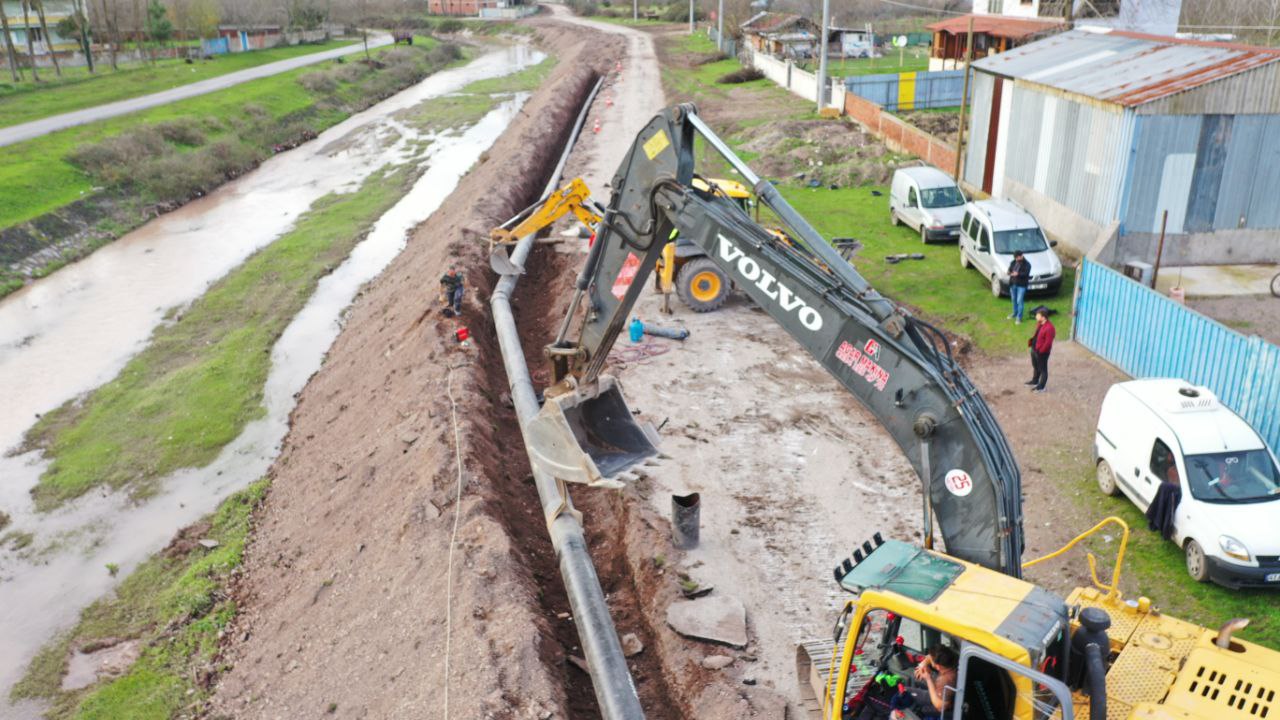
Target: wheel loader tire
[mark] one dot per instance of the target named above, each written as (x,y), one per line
(702,285)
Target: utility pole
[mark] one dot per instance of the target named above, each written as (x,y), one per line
(635,9)
(690,17)
(823,46)
(964,98)
(720,27)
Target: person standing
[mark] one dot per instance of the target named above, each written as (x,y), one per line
(1041,343)
(1019,276)
(451,287)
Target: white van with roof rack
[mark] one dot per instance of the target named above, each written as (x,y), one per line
(1167,431)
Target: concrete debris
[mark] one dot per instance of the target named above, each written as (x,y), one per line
(716,662)
(718,618)
(631,645)
(208,543)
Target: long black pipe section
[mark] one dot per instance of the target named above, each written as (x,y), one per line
(615,690)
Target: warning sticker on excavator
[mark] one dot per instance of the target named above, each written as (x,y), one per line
(959,483)
(656,144)
(626,275)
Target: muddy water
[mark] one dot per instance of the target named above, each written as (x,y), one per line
(74,330)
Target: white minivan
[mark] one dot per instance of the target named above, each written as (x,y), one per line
(1168,431)
(991,231)
(928,200)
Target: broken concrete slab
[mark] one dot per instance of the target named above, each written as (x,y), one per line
(716,662)
(631,645)
(718,618)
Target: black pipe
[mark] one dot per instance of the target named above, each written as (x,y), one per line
(1096,677)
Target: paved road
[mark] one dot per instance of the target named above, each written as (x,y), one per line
(44,126)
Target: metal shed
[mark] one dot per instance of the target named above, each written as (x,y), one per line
(1098,133)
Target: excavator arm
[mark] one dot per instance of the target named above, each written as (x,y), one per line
(900,368)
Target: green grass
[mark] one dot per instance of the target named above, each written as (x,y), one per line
(36,177)
(199,381)
(913,61)
(175,604)
(77,89)
(956,300)
(525,80)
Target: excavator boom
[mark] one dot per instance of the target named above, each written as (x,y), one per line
(899,367)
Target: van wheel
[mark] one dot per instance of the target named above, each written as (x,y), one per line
(893,217)
(1107,479)
(702,285)
(996,289)
(964,260)
(1197,565)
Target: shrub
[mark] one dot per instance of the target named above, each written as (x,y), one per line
(181,132)
(115,159)
(450,26)
(318,82)
(740,76)
(444,53)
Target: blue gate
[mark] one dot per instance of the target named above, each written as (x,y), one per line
(1146,334)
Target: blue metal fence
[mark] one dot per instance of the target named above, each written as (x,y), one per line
(910,90)
(216,46)
(1146,334)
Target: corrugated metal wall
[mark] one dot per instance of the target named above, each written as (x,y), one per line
(1254,91)
(1211,172)
(1148,335)
(1072,152)
(975,151)
(931,89)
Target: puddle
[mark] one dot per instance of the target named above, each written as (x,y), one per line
(74,330)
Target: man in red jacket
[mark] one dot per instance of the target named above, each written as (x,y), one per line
(1041,343)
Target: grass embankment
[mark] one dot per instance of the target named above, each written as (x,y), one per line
(957,300)
(77,89)
(166,155)
(200,379)
(174,605)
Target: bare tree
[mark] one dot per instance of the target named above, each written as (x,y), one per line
(48,39)
(110,14)
(81,20)
(8,45)
(31,50)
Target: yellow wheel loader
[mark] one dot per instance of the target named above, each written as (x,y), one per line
(1020,651)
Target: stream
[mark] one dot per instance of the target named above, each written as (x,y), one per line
(68,333)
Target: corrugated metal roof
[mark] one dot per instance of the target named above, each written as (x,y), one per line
(770,22)
(1125,68)
(996,25)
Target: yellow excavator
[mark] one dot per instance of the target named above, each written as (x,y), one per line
(1006,649)
(683,267)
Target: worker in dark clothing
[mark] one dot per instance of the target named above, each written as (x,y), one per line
(1041,343)
(1019,276)
(451,290)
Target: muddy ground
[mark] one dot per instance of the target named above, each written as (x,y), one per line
(1249,315)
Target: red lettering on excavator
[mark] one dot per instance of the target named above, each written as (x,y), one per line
(862,366)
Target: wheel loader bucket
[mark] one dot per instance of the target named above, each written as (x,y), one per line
(589,436)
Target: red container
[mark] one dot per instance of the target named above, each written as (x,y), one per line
(462,334)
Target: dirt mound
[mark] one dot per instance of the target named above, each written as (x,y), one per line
(343,591)
(942,125)
(826,151)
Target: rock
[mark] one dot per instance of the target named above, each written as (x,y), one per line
(208,543)
(718,618)
(409,438)
(748,681)
(631,645)
(716,662)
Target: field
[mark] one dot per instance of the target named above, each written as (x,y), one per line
(77,89)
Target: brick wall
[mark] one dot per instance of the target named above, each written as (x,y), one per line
(467,8)
(898,135)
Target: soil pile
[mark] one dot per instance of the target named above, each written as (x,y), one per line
(942,125)
(830,152)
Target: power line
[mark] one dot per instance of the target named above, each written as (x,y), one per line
(922,7)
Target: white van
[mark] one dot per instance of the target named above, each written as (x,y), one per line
(928,200)
(992,230)
(1167,430)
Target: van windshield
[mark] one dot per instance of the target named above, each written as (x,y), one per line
(1027,240)
(1233,477)
(943,197)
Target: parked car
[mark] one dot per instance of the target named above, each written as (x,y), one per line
(991,231)
(1169,431)
(928,200)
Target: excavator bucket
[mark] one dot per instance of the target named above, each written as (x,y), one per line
(590,436)
(501,263)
